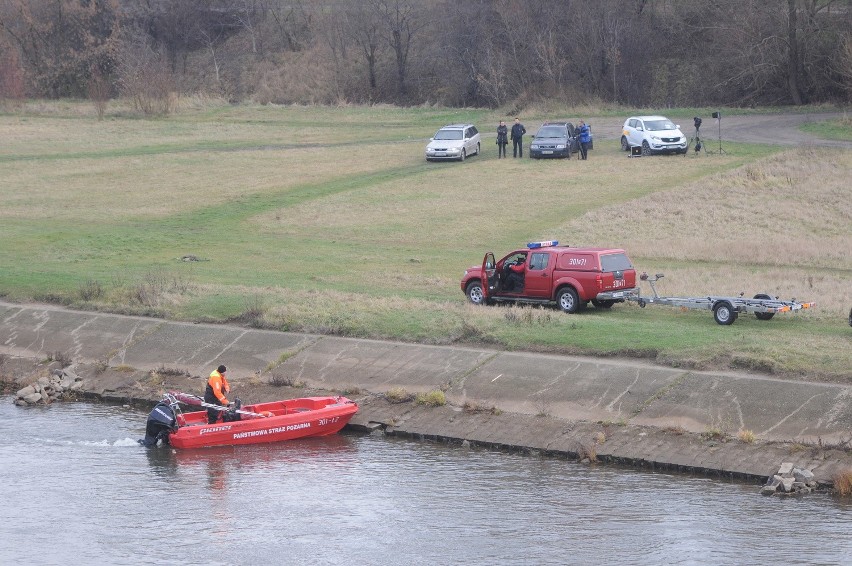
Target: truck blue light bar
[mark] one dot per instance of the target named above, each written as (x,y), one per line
(546,244)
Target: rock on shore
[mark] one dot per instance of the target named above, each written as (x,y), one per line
(62,383)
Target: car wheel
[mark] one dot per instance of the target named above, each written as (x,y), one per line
(474,293)
(463,155)
(646,149)
(624,145)
(477,148)
(763,315)
(568,300)
(724,313)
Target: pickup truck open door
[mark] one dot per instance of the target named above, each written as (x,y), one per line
(489,275)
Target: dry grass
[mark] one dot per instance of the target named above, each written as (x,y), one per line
(780,226)
(843,483)
(746,436)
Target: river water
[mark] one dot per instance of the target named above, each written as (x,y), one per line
(78,489)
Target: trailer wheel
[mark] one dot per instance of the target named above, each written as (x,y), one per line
(763,315)
(724,313)
(568,300)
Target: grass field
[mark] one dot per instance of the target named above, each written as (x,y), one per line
(328,220)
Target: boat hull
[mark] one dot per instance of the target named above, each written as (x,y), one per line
(283,420)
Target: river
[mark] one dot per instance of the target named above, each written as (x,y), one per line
(78,489)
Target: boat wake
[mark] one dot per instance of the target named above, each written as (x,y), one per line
(122,442)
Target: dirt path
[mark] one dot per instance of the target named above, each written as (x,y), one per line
(779,129)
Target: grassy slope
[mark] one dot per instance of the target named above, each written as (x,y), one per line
(329,220)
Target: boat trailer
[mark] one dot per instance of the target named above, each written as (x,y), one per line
(725,309)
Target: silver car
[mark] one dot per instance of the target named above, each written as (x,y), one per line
(455,142)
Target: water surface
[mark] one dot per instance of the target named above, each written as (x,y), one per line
(78,489)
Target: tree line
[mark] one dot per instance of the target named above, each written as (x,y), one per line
(495,53)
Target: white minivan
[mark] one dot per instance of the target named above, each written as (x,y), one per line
(654,134)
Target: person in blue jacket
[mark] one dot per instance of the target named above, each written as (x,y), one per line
(585,139)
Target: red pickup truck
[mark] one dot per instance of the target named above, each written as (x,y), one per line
(546,272)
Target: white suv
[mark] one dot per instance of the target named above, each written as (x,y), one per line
(654,134)
(455,141)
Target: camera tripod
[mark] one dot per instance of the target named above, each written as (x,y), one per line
(699,144)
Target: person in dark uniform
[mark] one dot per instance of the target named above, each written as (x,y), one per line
(518,131)
(515,275)
(502,139)
(214,393)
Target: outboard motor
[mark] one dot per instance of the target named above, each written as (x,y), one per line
(232,415)
(161,422)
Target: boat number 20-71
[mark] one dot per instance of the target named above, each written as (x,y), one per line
(332,420)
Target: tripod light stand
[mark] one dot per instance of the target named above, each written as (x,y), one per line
(718,116)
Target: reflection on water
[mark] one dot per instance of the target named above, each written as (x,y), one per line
(81,483)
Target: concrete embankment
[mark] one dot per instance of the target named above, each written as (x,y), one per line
(626,412)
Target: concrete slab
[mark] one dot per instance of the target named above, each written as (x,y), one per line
(565,387)
(380,366)
(772,409)
(199,348)
(38,332)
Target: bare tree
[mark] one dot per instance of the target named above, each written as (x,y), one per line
(400,23)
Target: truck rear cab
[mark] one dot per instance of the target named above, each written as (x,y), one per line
(598,275)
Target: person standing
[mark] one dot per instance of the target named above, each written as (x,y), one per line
(502,139)
(518,131)
(214,393)
(585,139)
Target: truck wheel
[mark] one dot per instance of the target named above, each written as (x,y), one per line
(724,313)
(568,300)
(474,293)
(763,315)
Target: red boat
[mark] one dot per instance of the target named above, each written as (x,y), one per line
(262,422)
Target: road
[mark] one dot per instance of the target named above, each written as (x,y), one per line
(778,129)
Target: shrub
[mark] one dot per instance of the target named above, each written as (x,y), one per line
(61,357)
(91,289)
(432,399)
(398,395)
(283,381)
(843,483)
(587,450)
(471,407)
(713,434)
(746,436)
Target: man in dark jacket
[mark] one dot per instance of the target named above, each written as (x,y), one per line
(518,131)
(502,139)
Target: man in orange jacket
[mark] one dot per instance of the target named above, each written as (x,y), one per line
(217,387)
